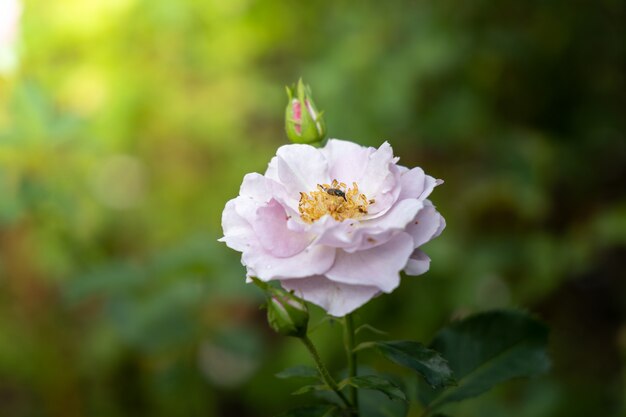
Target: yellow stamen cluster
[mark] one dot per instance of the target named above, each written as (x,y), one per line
(335,199)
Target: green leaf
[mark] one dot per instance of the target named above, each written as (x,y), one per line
(486,349)
(426,362)
(313,411)
(308,388)
(373,382)
(299,371)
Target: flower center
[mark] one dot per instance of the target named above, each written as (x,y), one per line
(335,199)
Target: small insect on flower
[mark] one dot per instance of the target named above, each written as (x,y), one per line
(336,189)
(336,192)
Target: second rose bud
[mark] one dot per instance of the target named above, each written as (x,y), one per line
(303,122)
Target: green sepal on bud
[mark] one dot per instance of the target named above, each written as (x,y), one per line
(286,314)
(303,122)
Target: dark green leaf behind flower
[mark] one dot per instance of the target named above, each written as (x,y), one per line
(487,349)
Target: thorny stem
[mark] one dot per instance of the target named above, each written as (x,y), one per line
(352,370)
(328,379)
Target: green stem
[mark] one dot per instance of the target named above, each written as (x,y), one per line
(328,379)
(426,412)
(352,369)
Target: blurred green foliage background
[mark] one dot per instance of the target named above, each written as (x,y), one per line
(130,123)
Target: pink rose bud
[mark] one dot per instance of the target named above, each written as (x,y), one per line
(303,122)
(286,314)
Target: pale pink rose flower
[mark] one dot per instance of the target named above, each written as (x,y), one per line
(334,224)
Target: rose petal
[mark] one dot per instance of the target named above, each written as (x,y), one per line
(374,171)
(270,226)
(333,233)
(347,161)
(255,187)
(416,184)
(237,232)
(336,298)
(354,236)
(396,218)
(378,266)
(442,225)
(255,191)
(272,169)
(429,185)
(262,189)
(377,177)
(300,168)
(314,260)
(412,182)
(427,225)
(380,180)
(418,263)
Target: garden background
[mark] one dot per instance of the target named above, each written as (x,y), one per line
(128,124)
